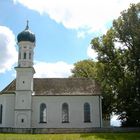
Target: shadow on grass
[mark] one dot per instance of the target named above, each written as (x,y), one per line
(111,136)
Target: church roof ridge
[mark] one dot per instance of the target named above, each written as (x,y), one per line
(61,86)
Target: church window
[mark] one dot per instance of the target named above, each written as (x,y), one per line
(65,113)
(87,112)
(43,113)
(22,120)
(29,55)
(1,110)
(24,56)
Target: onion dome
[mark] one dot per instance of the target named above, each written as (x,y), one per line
(26,35)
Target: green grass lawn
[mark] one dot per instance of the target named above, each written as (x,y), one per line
(94,136)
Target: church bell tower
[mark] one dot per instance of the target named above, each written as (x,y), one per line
(24,78)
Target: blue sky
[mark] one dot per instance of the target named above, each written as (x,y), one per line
(63,29)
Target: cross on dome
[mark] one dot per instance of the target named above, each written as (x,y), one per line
(27,26)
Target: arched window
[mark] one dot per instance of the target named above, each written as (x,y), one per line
(30,55)
(65,113)
(1,110)
(24,55)
(43,113)
(87,112)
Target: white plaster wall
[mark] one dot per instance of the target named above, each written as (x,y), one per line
(8,102)
(76,112)
(24,115)
(23,100)
(24,80)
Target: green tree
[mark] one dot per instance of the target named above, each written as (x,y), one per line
(119,55)
(84,68)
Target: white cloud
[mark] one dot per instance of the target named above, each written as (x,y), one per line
(89,15)
(58,70)
(91,53)
(81,34)
(8,53)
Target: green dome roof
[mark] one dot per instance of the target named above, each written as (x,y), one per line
(26,35)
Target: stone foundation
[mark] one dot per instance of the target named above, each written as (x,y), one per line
(66,130)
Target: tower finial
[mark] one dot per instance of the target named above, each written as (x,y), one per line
(27,26)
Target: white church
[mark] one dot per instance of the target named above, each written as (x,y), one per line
(29,102)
